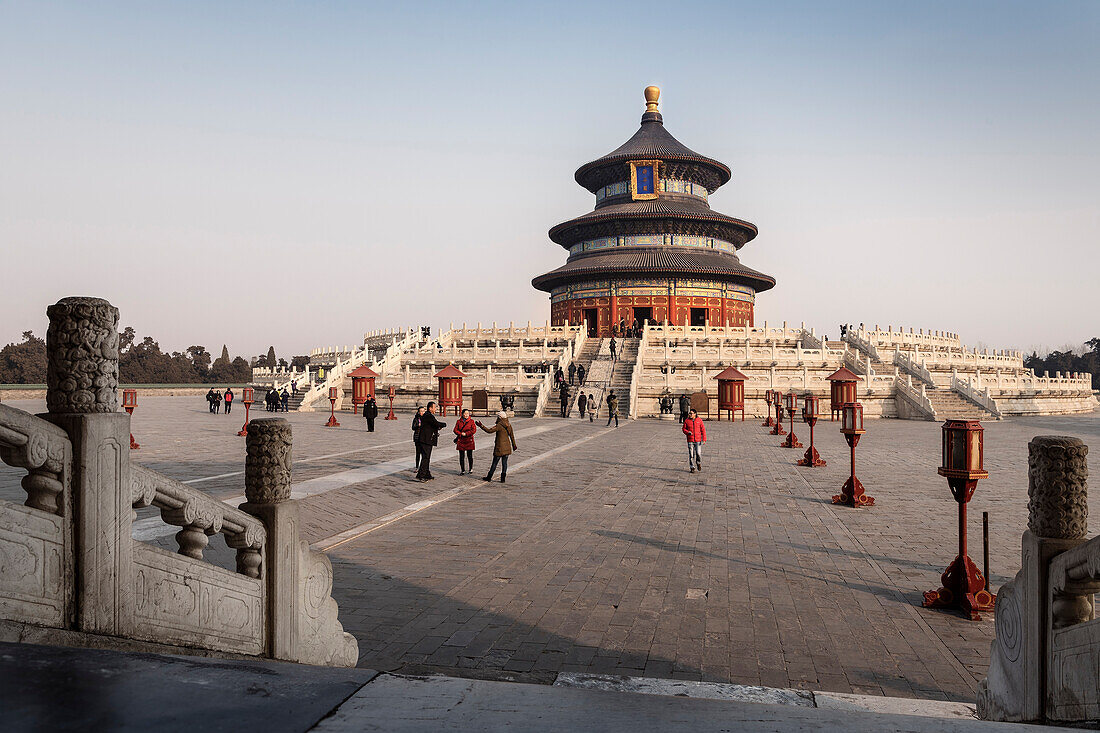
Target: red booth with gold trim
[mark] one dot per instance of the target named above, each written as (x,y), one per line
(362,384)
(731,393)
(842,389)
(450,388)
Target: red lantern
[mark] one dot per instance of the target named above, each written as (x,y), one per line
(777,425)
(769,396)
(247,397)
(333,395)
(852,493)
(792,405)
(392,393)
(963,456)
(450,388)
(731,393)
(129,402)
(810,405)
(842,389)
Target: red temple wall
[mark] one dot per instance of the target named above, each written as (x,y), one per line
(612,309)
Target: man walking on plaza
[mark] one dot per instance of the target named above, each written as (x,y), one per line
(370,412)
(612,408)
(685,406)
(210,400)
(430,426)
(228,400)
(582,402)
(696,433)
(284,400)
(505,444)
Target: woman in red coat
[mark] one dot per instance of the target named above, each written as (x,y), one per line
(464,443)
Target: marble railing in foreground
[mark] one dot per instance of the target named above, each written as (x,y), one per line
(71,563)
(1045,656)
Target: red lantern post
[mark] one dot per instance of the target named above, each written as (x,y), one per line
(777,428)
(129,402)
(450,388)
(792,405)
(247,397)
(769,397)
(392,393)
(963,458)
(731,393)
(852,494)
(842,389)
(333,395)
(809,416)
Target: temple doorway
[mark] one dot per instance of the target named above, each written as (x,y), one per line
(698,316)
(593,322)
(642,315)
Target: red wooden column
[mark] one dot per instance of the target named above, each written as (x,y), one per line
(450,388)
(842,389)
(731,393)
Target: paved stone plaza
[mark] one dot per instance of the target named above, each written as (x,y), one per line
(603,554)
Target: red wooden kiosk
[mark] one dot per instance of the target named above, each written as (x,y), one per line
(842,389)
(450,388)
(362,385)
(731,393)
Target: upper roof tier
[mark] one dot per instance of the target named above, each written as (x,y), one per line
(653,141)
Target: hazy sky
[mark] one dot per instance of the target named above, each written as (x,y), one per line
(296,173)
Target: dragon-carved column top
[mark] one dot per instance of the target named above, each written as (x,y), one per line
(82,356)
(1057,487)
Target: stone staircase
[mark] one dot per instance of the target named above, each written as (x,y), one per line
(949,405)
(588,354)
(606,374)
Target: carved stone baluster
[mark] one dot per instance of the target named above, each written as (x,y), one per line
(43,489)
(192,541)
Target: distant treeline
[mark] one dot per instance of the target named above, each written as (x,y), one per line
(1085,359)
(140,363)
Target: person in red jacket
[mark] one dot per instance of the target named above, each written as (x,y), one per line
(464,443)
(696,433)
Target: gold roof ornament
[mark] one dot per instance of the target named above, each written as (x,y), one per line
(652,95)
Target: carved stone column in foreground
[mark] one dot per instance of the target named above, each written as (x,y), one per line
(301,614)
(82,398)
(1015,689)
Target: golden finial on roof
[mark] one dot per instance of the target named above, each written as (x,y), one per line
(652,94)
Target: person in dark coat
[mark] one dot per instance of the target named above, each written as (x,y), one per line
(210,400)
(563,396)
(572,372)
(505,444)
(430,426)
(612,408)
(416,435)
(228,400)
(613,348)
(582,402)
(217,402)
(685,406)
(370,412)
(580,374)
(284,400)
(465,428)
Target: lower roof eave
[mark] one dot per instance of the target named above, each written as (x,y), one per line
(546,283)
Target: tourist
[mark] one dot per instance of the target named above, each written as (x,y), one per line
(370,412)
(228,399)
(582,402)
(416,435)
(613,348)
(284,399)
(612,408)
(572,372)
(505,444)
(210,400)
(563,396)
(217,402)
(465,428)
(635,329)
(591,407)
(685,405)
(696,433)
(622,327)
(430,426)
(580,374)
(294,387)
